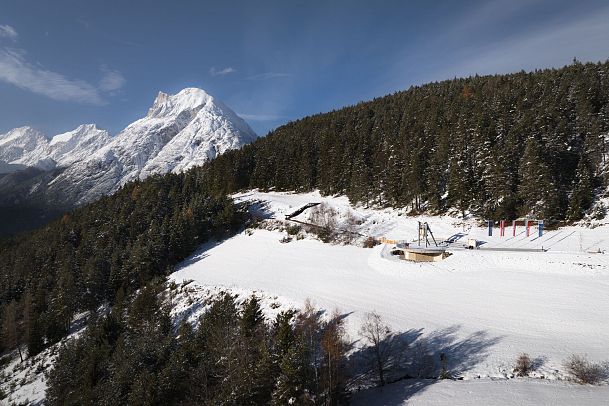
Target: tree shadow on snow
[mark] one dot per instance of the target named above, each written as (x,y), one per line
(200,253)
(417,360)
(538,362)
(259,209)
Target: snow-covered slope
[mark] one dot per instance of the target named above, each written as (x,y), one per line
(178,132)
(525,392)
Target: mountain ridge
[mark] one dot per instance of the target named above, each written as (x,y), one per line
(179,132)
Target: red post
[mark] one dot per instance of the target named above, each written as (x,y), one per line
(514,226)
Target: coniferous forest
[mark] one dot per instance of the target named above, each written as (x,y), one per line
(105,250)
(499,146)
(234,355)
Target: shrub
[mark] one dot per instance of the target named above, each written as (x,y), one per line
(293,229)
(599,212)
(326,235)
(254,223)
(444,374)
(5,360)
(524,365)
(585,372)
(371,242)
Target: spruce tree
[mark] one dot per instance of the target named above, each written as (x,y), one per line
(291,383)
(581,197)
(11,332)
(537,190)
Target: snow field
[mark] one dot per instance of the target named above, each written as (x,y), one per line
(482,308)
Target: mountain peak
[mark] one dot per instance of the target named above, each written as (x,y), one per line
(19,142)
(180,131)
(21,132)
(80,132)
(87,127)
(190,98)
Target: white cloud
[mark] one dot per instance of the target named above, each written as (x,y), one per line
(554,44)
(468,48)
(269,75)
(112,80)
(222,72)
(14,69)
(6,31)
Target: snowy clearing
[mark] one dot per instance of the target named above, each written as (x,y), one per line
(480,307)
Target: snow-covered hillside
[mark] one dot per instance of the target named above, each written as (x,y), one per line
(180,131)
(521,392)
(482,308)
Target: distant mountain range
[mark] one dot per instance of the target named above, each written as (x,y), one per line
(50,175)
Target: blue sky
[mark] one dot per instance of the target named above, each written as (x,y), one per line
(67,62)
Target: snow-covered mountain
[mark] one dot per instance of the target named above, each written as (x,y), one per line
(21,142)
(213,130)
(180,131)
(66,149)
(26,146)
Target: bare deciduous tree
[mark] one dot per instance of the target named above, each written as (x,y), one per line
(334,346)
(423,359)
(378,335)
(324,217)
(350,227)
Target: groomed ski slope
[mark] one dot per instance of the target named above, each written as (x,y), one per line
(482,308)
